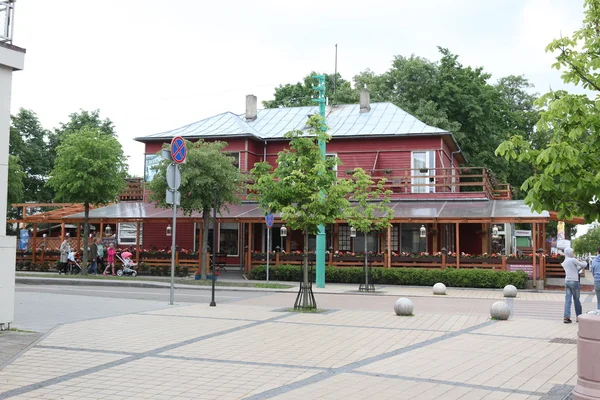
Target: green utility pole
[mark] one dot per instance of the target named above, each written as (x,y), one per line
(321,235)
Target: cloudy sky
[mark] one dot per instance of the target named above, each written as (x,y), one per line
(152,66)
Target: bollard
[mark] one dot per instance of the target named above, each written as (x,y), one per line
(588,354)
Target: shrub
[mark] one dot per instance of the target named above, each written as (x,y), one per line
(473,278)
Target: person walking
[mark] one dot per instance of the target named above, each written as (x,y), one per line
(100,257)
(65,249)
(93,255)
(110,259)
(595,268)
(572,266)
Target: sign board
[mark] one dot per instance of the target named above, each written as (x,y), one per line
(166,155)
(522,267)
(269,218)
(173,176)
(178,150)
(152,161)
(173,195)
(563,244)
(521,232)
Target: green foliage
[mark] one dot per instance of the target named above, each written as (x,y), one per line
(206,165)
(90,168)
(567,169)
(304,187)
(15,181)
(28,142)
(473,278)
(587,243)
(369,210)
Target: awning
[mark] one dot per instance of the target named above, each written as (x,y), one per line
(404,211)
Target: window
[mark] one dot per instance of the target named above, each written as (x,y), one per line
(235,155)
(411,241)
(372,242)
(151,162)
(128,233)
(332,155)
(228,238)
(345,242)
(395,234)
(423,164)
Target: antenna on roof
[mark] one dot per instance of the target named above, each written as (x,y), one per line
(335,77)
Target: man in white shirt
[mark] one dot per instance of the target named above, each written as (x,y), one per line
(572,266)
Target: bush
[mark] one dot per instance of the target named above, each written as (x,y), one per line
(473,278)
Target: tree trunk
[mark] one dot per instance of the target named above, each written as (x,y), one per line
(305,301)
(366,265)
(86,234)
(204,242)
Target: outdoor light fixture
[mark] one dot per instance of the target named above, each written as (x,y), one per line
(495,232)
(91,235)
(107,230)
(68,235)
(352,232)
(169,230)
(423,231)
(283,231)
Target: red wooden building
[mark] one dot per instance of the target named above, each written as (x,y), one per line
(422,164)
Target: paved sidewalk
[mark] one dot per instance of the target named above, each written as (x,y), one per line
(12,343)
(249,351)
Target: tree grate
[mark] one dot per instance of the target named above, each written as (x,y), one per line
(563,340)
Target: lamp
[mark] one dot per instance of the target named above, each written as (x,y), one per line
(423,231)
(352,232)
(44,236)
(495,232)
(169,230)
(108,230)
(67,235)
(283,231)
(91,235)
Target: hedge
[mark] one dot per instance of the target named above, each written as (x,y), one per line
(473,278)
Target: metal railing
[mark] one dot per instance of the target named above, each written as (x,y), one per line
(7,15)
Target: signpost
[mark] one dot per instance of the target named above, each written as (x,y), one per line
(269,218)
(177,156)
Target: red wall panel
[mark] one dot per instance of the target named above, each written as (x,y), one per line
(155,235)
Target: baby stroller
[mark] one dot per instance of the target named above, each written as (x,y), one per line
(125,258)
(72,264)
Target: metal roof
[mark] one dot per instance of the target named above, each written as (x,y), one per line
(384,119)
(403,210)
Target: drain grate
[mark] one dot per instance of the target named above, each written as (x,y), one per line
(563,340)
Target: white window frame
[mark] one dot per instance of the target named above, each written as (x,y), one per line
(127,233)
(429,164)
(334,155)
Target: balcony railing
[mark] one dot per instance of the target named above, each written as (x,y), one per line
(7,13)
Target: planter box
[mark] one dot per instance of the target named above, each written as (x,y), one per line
(477,260)
(296,257)
(411,260)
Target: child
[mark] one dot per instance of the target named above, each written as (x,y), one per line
(110,259)
(72,262)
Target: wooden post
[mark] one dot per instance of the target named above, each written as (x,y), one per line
(34,243)
(208,263)
(443,261)
(137,243)
(504,263)
(78,237)
(457,239)
(249,253)
(288,241)
(336,242)
(387,262)
(277,261)
(101,230)
(62,233)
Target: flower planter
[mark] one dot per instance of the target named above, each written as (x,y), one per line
(417,260)
(480,260)
(296,257)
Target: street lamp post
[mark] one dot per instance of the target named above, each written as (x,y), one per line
(320,256)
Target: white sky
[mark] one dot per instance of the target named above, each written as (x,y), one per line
(152,66)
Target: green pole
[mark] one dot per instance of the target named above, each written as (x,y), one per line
(320,251)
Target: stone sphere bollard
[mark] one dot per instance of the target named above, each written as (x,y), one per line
(439,288)
(500,310)
(510,291)
(403,306)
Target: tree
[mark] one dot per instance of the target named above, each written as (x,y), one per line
(78,121)
(588,243)
(15,181)
(369,209)
(90,168)
(300,94)
(303,188)
(205,167)
(566,171)
(28,141)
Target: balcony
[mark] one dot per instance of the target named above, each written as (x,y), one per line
(7,12)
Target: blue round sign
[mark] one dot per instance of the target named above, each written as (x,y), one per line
(178,150)
(269,218)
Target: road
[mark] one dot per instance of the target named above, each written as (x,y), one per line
(39,308)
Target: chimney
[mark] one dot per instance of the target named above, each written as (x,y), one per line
(251,107)
(365,100)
